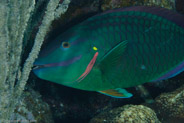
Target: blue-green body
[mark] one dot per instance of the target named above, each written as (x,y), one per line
(117,49)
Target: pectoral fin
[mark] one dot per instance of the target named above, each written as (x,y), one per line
(112,59)
(108,64)
(114,54)
(117,93)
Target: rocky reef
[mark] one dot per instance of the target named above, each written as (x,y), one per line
(170,106)
(127,114)
(21,38)
(111,4)
(167,107)
(32,108)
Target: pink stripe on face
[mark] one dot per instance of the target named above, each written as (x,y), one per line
(89,67)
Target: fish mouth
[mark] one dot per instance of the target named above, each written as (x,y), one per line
(88,68)
(58,64)
(35,67)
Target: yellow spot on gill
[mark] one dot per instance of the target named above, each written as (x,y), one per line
(94,48)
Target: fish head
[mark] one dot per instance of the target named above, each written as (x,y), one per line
(67,59)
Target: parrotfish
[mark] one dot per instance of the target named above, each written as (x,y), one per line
(115,50)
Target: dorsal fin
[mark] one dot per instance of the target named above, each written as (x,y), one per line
(159,11)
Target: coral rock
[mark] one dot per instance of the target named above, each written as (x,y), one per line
(111,4)
(171,104)
(127,114)
(32,109)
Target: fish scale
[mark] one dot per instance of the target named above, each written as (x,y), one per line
(128,36)
(144,23)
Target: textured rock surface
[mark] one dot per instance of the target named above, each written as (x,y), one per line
(111,4)
(31,108)
(171,105)
(127,114)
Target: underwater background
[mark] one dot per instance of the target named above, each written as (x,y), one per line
(42,101)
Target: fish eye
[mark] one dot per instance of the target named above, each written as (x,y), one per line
(65,44)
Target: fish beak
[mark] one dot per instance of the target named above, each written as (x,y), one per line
(38,67)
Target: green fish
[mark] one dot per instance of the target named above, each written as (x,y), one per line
(115,50)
